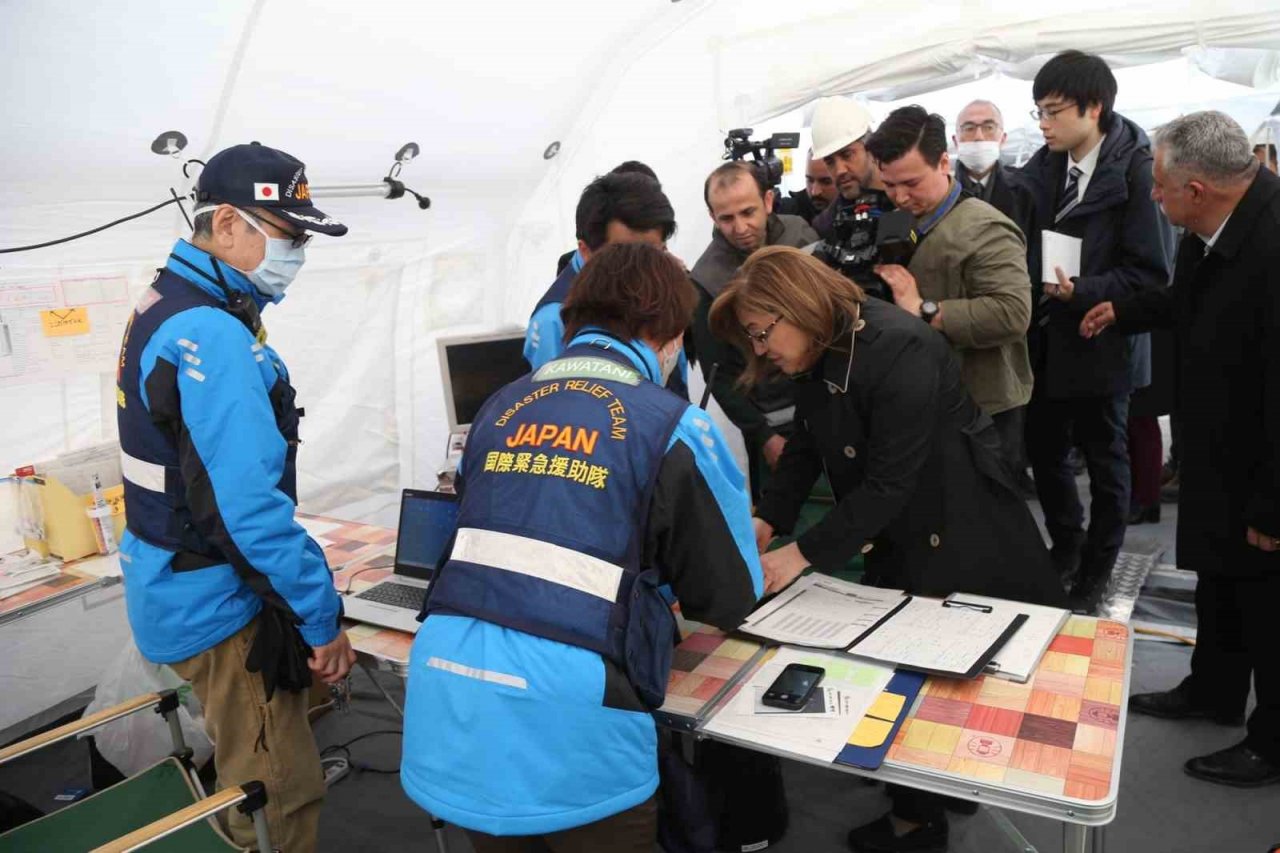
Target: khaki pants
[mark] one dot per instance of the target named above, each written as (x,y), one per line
(255,740)
(632,831)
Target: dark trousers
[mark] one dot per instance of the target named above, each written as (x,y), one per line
(1097,425)
(632,831)
(1010,425)
(1146,456)
(1235,639)
(916,806)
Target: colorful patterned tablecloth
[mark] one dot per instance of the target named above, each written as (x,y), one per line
(1055,735)
(360,556)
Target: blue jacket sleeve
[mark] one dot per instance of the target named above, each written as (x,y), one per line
(544,340)
(233,456)
(700,526)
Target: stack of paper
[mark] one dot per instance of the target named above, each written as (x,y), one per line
(853,685)
(20,572)
(823,612)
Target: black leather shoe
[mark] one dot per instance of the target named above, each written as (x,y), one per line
(878,837)
(1237,765)
(1176,704)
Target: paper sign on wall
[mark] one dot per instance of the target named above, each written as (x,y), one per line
(64,322)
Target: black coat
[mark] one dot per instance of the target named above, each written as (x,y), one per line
(1009,193)
(1224,309)
(1125,238)
(915,466)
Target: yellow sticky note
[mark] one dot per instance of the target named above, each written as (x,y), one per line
(64,322)
(870,732)
(887,707)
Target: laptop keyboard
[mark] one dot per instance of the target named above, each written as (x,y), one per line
(396,594)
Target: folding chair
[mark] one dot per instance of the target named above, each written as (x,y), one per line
(163,807)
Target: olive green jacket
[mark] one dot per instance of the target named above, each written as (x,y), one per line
(973,263)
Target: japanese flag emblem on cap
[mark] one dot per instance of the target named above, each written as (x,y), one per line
(266,192)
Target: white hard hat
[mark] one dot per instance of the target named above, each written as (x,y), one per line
(836,123)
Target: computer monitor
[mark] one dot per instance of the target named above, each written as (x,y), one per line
(427,523)
(473,367)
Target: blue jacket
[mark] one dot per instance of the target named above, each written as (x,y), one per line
(204,409)
(544,339)
(511,731)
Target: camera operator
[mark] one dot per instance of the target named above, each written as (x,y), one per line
(818,193)
(840,129)
(968,276)
(741,207)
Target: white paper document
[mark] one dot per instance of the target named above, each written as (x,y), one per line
(925,635)
(822,612)
(818,736)
(1018,658)
(826,702)
(1059,250)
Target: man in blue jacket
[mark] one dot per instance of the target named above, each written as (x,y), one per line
(546,643)
(1092,181)
(624,206)
(221,582)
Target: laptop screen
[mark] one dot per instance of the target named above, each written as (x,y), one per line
(427,522)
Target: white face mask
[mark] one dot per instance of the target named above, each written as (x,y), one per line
(978,156)
(669,362)
(280,262)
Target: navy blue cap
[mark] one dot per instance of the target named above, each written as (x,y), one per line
(254,175)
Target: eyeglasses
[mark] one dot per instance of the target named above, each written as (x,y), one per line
(761,337)
(1040,115)
(987,127)
(296,240)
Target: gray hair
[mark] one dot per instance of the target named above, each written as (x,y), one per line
(1207,144)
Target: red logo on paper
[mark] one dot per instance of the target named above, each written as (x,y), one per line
(985,747)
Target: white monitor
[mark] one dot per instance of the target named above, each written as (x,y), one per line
(473,367)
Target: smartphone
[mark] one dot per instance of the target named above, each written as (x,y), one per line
(793,688)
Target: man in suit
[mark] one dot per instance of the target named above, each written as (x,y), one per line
(1092,181)
(1224,310)
(979,137)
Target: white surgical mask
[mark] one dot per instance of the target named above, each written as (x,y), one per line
(669,362)
(280,262)
(978,156)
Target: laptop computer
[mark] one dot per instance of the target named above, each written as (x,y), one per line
(427,522)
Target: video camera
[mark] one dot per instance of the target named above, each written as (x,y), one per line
(866,236)
(738,144)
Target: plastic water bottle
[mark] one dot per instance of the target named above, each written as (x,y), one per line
(104,530)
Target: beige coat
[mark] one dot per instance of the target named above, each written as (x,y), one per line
(973,263)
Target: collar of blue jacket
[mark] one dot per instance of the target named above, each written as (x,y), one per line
(207,278)
(637,352)
(576,261)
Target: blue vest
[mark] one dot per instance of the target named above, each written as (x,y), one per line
(161,516)
(557,479)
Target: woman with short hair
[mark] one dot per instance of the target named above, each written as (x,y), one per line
(920,483)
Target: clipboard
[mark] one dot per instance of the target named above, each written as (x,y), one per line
(935,656)
(870,741)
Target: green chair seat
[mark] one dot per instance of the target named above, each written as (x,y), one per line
(137,801)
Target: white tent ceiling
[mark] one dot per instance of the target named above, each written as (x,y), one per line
(483,88)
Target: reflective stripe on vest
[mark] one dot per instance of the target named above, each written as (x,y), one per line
(543,560)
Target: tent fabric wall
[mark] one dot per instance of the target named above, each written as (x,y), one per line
(483,90)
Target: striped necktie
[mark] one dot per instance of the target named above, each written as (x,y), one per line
(1070,194)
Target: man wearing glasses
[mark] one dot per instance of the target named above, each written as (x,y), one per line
(1092,181)
(221,583)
